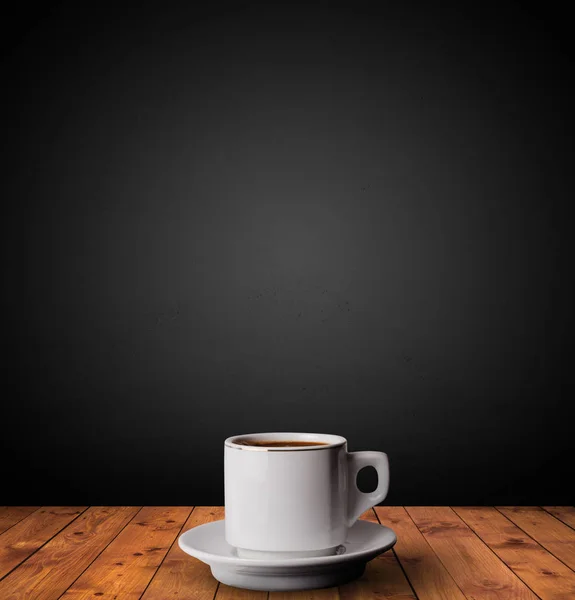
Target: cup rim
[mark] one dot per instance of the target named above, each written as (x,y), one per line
(330,441)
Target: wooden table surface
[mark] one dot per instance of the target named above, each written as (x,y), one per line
(131,552)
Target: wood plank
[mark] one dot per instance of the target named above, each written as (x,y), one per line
(24,538)
(553,535)
(383,577)
(476,570)
(10,515)
(425,571)
(563,513)
(547,576)
(322,594)
(225,592)
(369,515)
(48,572)
(126,566)
(182,577)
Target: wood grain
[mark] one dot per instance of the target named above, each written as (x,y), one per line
(225,592)
(182,577)
(126,566)
(10,515)
(425,571)
(447,554)
(48,572)
(553,535)
(383,578)
(369,515)
(563,513)
(322,594)
(477,571)
(547,576)
(24,538)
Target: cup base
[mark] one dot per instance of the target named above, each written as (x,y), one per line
(272,555)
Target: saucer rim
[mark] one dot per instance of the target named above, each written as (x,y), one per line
(364,555)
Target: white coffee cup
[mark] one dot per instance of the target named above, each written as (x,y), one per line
(295,501)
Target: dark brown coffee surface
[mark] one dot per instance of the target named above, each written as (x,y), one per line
(279,443)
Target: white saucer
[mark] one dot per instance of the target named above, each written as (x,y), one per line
(365,541)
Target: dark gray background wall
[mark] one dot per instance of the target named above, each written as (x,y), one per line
(339,218)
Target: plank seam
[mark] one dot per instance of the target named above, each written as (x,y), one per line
(434,552)
(405,574)
(492,552)
(399,561)
(166,554)
(530,536)
(501,559)
(557,518)
(42,545)
(102,550)
(28,515)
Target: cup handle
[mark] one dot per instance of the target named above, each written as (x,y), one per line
(358,501)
